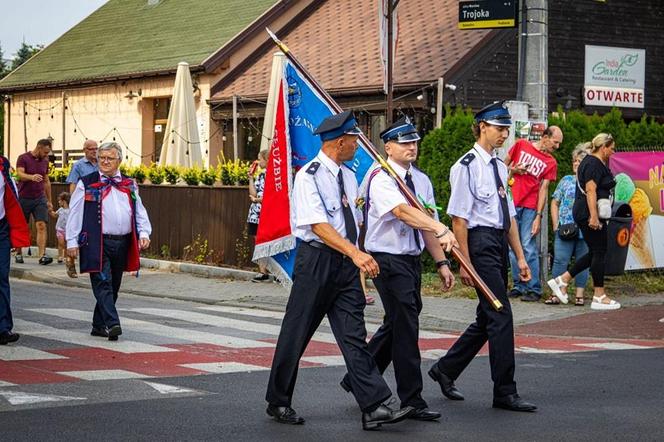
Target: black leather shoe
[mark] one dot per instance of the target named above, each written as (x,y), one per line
(514,293)
(384,415)
(424,414)
(8,337)
(446,384)
(513,402)
(114,332)
(99,331)
(345,385)
(284,415)
(530,297)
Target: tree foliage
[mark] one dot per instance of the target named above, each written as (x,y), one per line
(4,67)
(24,53)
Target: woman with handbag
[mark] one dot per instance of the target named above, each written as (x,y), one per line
(568,241)
(595,183)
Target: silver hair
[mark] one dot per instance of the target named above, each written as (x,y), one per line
(108,146)
(581,150)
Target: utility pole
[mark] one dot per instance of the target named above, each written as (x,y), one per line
(533,88)
(439,102)
(236,153)
(65,158)
(391,6)
(533,83)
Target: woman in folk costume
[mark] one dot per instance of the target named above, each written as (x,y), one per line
(108,226)
(14,233)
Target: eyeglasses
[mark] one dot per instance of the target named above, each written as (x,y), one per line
(107,159)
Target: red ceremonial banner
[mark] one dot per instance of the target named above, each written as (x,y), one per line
(275,210)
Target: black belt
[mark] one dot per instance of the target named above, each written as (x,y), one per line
(321,246)
(117,237)
(493,230)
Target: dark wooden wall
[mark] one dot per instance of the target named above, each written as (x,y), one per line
(490,71)
(180,213)
(618,23)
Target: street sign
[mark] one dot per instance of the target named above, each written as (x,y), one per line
(614,76)
(487,14)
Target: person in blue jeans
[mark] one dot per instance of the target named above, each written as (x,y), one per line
(562,202)
(532,168)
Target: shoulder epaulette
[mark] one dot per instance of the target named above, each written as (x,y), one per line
(468,159)
(313,167)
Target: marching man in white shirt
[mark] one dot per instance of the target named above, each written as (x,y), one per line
(396,234)
(107,227)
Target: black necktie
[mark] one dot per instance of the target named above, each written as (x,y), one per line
(351,230)
(411,186)
(502,195)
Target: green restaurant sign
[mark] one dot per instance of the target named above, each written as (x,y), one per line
(485,14)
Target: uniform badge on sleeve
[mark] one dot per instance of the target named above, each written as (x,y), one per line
(313,167)
(466,160)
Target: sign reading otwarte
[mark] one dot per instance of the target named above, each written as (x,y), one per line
(640,183)
(487,14)
(299,110)
(614,77)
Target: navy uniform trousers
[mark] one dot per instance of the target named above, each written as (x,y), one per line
(325,282)
(489,255)
(6,322)
(106,284)
(396,341)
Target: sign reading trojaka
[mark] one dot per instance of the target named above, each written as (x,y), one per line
(614,76)
(484,14)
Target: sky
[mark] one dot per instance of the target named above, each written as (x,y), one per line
(39,21)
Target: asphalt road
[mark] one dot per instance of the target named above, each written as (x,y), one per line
(585,395)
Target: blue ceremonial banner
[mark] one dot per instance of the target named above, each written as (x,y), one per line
(306,109)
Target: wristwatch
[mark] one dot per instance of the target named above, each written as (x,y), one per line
(444,262)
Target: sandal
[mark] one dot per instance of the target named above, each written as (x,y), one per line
(599,304)
(556,284)
(579,302)
(552,301)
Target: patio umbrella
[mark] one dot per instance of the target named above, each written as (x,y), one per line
(182,146)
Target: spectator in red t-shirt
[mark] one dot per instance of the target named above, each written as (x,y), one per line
(34,193)
(532,167)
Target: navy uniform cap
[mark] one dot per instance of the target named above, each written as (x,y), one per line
(337,125)
(496,113)
(402,131)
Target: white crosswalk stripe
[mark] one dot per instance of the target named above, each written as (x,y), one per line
(102,375)
(20,353)
(280,315)
(224,367)
(159,329)
(613,346)
(84,339)
(224,322)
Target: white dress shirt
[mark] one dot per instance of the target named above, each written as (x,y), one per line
(385,232)
(474,196)
(2,196)
(115,214)
(316,198)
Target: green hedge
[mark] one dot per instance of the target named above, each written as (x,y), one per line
(442,147)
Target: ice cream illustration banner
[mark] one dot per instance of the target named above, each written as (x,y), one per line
(640,183)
